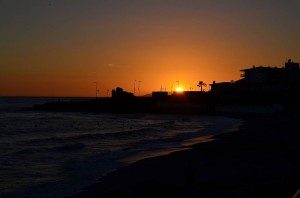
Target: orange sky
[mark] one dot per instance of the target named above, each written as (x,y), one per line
(60,49)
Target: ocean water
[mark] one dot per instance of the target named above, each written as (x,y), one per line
(56,154)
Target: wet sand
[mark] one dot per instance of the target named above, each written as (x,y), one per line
(261,159)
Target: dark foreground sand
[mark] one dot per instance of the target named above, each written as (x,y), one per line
(262,159)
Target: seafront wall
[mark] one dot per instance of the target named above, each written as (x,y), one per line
(184,104)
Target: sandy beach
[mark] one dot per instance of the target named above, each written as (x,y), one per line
(258,160)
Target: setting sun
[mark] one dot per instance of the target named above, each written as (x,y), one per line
(179,89)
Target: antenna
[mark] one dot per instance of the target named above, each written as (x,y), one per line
(107,92)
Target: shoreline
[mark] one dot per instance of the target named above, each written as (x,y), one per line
(259,160)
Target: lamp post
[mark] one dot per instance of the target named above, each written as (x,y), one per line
(97,90)
(134,88)
(139,82)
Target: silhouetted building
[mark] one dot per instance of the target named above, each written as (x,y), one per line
(262,79)
(159,94)
(119,93)
(293,71)
(222,87)
(264,75)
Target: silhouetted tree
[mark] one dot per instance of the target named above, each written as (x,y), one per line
(201,84)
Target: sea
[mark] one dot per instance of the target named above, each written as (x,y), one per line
(57,154)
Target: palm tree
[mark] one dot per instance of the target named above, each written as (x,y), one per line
(201,84)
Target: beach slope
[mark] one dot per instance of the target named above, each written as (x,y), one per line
(259,160)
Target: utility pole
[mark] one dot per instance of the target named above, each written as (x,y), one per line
(177,83)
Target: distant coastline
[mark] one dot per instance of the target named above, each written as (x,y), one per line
(262,89)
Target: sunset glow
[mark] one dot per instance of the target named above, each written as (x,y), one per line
(179,89)
(60,49)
